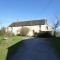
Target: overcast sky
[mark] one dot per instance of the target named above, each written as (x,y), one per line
(11,10)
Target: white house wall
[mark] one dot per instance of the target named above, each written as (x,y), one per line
(31,28)
(36,28)
(15,29)
(43,27)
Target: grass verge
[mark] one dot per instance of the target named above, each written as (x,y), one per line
(4,44)
(56,45)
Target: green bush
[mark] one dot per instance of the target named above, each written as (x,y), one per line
(9,34)
(35,34)
(56,45)
(24,31)
(18,35)
(44,35)
(2,31)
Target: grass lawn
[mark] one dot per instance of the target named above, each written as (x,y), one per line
(4,44)
(58,34)
(56,44)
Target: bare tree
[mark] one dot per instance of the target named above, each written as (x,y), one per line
(56,25)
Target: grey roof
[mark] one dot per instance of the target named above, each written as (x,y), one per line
(28,23)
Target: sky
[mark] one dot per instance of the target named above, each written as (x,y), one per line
(23,10)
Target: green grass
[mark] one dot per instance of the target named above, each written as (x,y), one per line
(56,44)
(1,39)
(58,34)
(4,44)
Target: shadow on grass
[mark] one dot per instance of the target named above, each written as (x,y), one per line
(13,49)
(56,45)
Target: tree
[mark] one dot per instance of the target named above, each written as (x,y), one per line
(24,31)
(56,25)
(2,31)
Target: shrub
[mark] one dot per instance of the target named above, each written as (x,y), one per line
(2,31)
(9,34)
(35,34)
(24,31)
(56,45)
(18,35)
(44,35)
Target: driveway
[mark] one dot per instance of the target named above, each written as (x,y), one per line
(35,49)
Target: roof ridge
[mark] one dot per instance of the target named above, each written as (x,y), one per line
(29,23)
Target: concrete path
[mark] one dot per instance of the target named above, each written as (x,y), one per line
(35,49)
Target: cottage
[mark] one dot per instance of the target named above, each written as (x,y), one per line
(33,25)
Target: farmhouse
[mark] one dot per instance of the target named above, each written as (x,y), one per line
(33,25)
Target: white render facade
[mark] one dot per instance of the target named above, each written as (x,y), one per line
(35,28)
